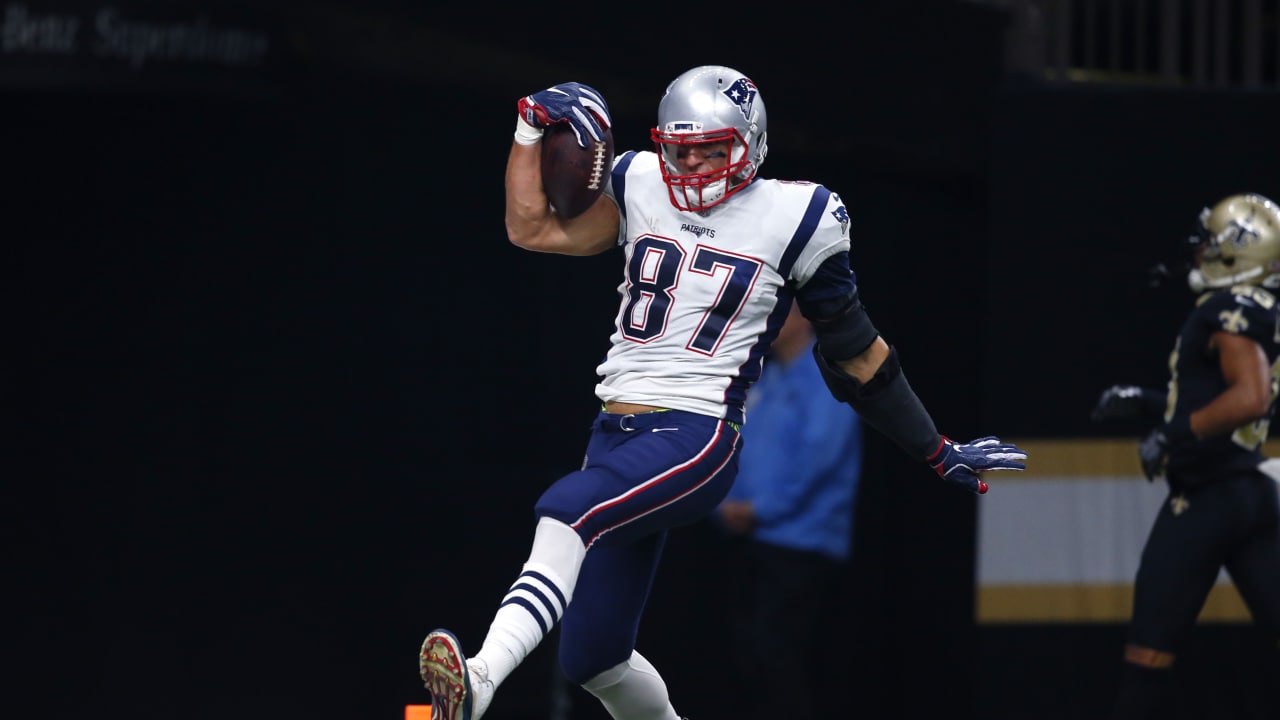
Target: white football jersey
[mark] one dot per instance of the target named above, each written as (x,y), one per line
(702,295)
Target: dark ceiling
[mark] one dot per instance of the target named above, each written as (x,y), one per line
(908,82)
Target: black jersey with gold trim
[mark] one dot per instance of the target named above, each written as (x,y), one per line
(1196,379)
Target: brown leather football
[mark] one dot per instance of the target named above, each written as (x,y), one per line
(574,176)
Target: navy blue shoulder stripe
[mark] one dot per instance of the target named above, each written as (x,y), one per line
(619,180)
(803,233)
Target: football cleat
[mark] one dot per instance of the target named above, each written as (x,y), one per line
(449,677)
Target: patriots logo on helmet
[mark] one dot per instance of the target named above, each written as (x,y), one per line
(742,93)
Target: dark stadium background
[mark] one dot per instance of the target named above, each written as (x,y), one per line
(280,395)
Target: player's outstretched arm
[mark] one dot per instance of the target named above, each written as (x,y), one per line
(873,384)
(531,223)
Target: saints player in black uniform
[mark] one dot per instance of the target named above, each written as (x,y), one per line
(1221,509)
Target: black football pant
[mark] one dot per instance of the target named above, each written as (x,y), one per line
(1233,523)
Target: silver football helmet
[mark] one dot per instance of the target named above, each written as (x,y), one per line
(1238,244)
(711,103)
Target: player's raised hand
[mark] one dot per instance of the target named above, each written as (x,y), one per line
(964,463)
(579,105)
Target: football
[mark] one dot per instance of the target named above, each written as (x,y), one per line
(574,176)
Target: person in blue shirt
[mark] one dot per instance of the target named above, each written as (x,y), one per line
(792,503)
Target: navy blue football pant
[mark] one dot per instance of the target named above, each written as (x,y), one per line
(643,475)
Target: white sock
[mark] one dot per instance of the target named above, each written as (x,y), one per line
(481,687)
(632,690)
(536,601)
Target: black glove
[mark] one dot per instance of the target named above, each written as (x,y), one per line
(1126,402)
(1153,451)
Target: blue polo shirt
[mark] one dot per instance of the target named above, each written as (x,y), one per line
(801,460)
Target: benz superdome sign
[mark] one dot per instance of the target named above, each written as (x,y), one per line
(110,32)
(195,41)
(184,45)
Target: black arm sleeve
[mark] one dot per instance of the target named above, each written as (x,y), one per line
(886,402)
(847,332)
(830,301)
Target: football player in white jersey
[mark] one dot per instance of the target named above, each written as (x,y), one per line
(714,256)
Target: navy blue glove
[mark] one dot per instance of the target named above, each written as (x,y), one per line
(582,107)
(963,463)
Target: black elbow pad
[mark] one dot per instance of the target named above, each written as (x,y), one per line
(886,402)
(846,388)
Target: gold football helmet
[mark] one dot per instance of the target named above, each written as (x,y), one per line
(1238,244)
